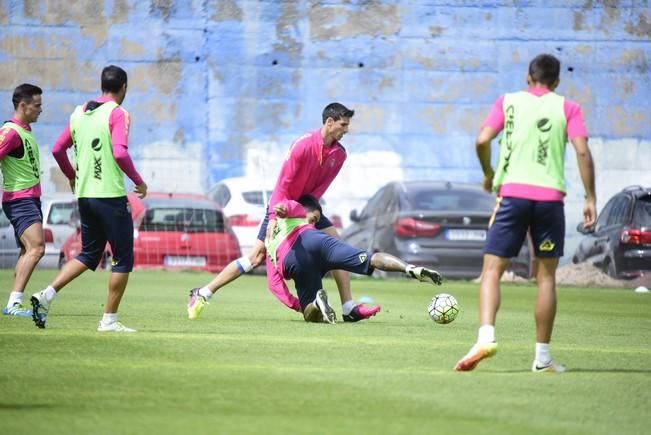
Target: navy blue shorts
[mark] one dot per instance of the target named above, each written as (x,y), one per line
(323,222)
(513,217)
(23,213)
(313,254)
(106,220)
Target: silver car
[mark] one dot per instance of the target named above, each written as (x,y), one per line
(59,219)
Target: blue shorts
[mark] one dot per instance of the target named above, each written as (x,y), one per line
(106,220)
(313,254)
(323,222)
(23,213)
(513,217)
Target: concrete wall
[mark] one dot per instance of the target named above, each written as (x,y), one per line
(220,88)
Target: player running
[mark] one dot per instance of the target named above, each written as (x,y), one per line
(297,250)
(530,182)
(21,197)
(98,130)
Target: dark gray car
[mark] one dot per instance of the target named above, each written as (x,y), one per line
(441,225)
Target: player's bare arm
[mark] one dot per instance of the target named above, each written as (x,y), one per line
(586,170)
(483,148)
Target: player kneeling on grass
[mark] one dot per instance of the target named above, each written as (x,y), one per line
(297,250)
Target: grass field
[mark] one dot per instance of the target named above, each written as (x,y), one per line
(249,365)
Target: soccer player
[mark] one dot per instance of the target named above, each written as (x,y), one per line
(21,197)
(313,162)
(297,250)
(530,183)
(98,130)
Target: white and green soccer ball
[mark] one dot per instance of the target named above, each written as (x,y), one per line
(443,308)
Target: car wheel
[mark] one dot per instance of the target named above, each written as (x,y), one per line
(62,261)
(575,260)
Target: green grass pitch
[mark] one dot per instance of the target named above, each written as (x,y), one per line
(251,366)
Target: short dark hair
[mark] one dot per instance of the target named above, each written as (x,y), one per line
(113,78)
(310,203)
(25,92)
(336,111)
(545,69)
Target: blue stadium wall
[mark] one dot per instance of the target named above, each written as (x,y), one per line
(221,88)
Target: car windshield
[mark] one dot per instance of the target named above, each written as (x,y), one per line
(191,220)
(642,213)
(257,197)
(450,200)
(61,213)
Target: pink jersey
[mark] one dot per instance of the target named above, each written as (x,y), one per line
(276,274)
(308,170)
(9,141)
(575,128)
(119,128)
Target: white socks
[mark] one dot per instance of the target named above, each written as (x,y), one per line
(486,334)
(49,294)
(543,355)
(15,297)
(109,318)
(347,307)
(205,292)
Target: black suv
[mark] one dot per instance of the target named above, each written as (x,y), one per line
(620,243)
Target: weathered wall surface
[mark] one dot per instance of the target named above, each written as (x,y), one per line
(221,87)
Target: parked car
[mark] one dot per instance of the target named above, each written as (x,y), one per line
(620,242)
(174,231)
(244,202)
(58,225)
(441,225)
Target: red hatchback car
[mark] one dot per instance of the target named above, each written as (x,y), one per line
(174,231)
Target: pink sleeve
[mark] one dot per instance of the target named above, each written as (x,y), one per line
(9,141)
(119,127)
(279,289)
(294,209)
(495,118)
(288,176)
(59,152)
(575,122)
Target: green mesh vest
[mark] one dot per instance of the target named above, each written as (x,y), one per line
(283,228)
(532,146)
(97,173)
(25,172)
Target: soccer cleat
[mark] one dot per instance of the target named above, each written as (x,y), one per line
(361,312)
(40,308)
(326,310)
(196,304)
(17,310)
(424,274)
(551,367)
(477,353)
(113,327)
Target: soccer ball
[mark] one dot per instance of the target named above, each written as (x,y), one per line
(443,308)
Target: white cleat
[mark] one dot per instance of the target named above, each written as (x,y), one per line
(113,327)
(321,303)
(551,367)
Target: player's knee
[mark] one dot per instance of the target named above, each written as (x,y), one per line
(37,251)
(244,264)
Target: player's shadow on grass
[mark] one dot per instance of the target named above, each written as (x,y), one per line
(25,406)
(575,370)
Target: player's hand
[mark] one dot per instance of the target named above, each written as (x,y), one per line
(270,228)
(589,213)
(280,210)
(141,190)
(488,181)
(72,185)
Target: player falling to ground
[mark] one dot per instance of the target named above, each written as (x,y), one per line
(313,162)
(530,183)
(21,197)
(298,251)
(98,130)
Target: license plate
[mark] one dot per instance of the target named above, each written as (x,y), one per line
(176,260)
(473,235)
